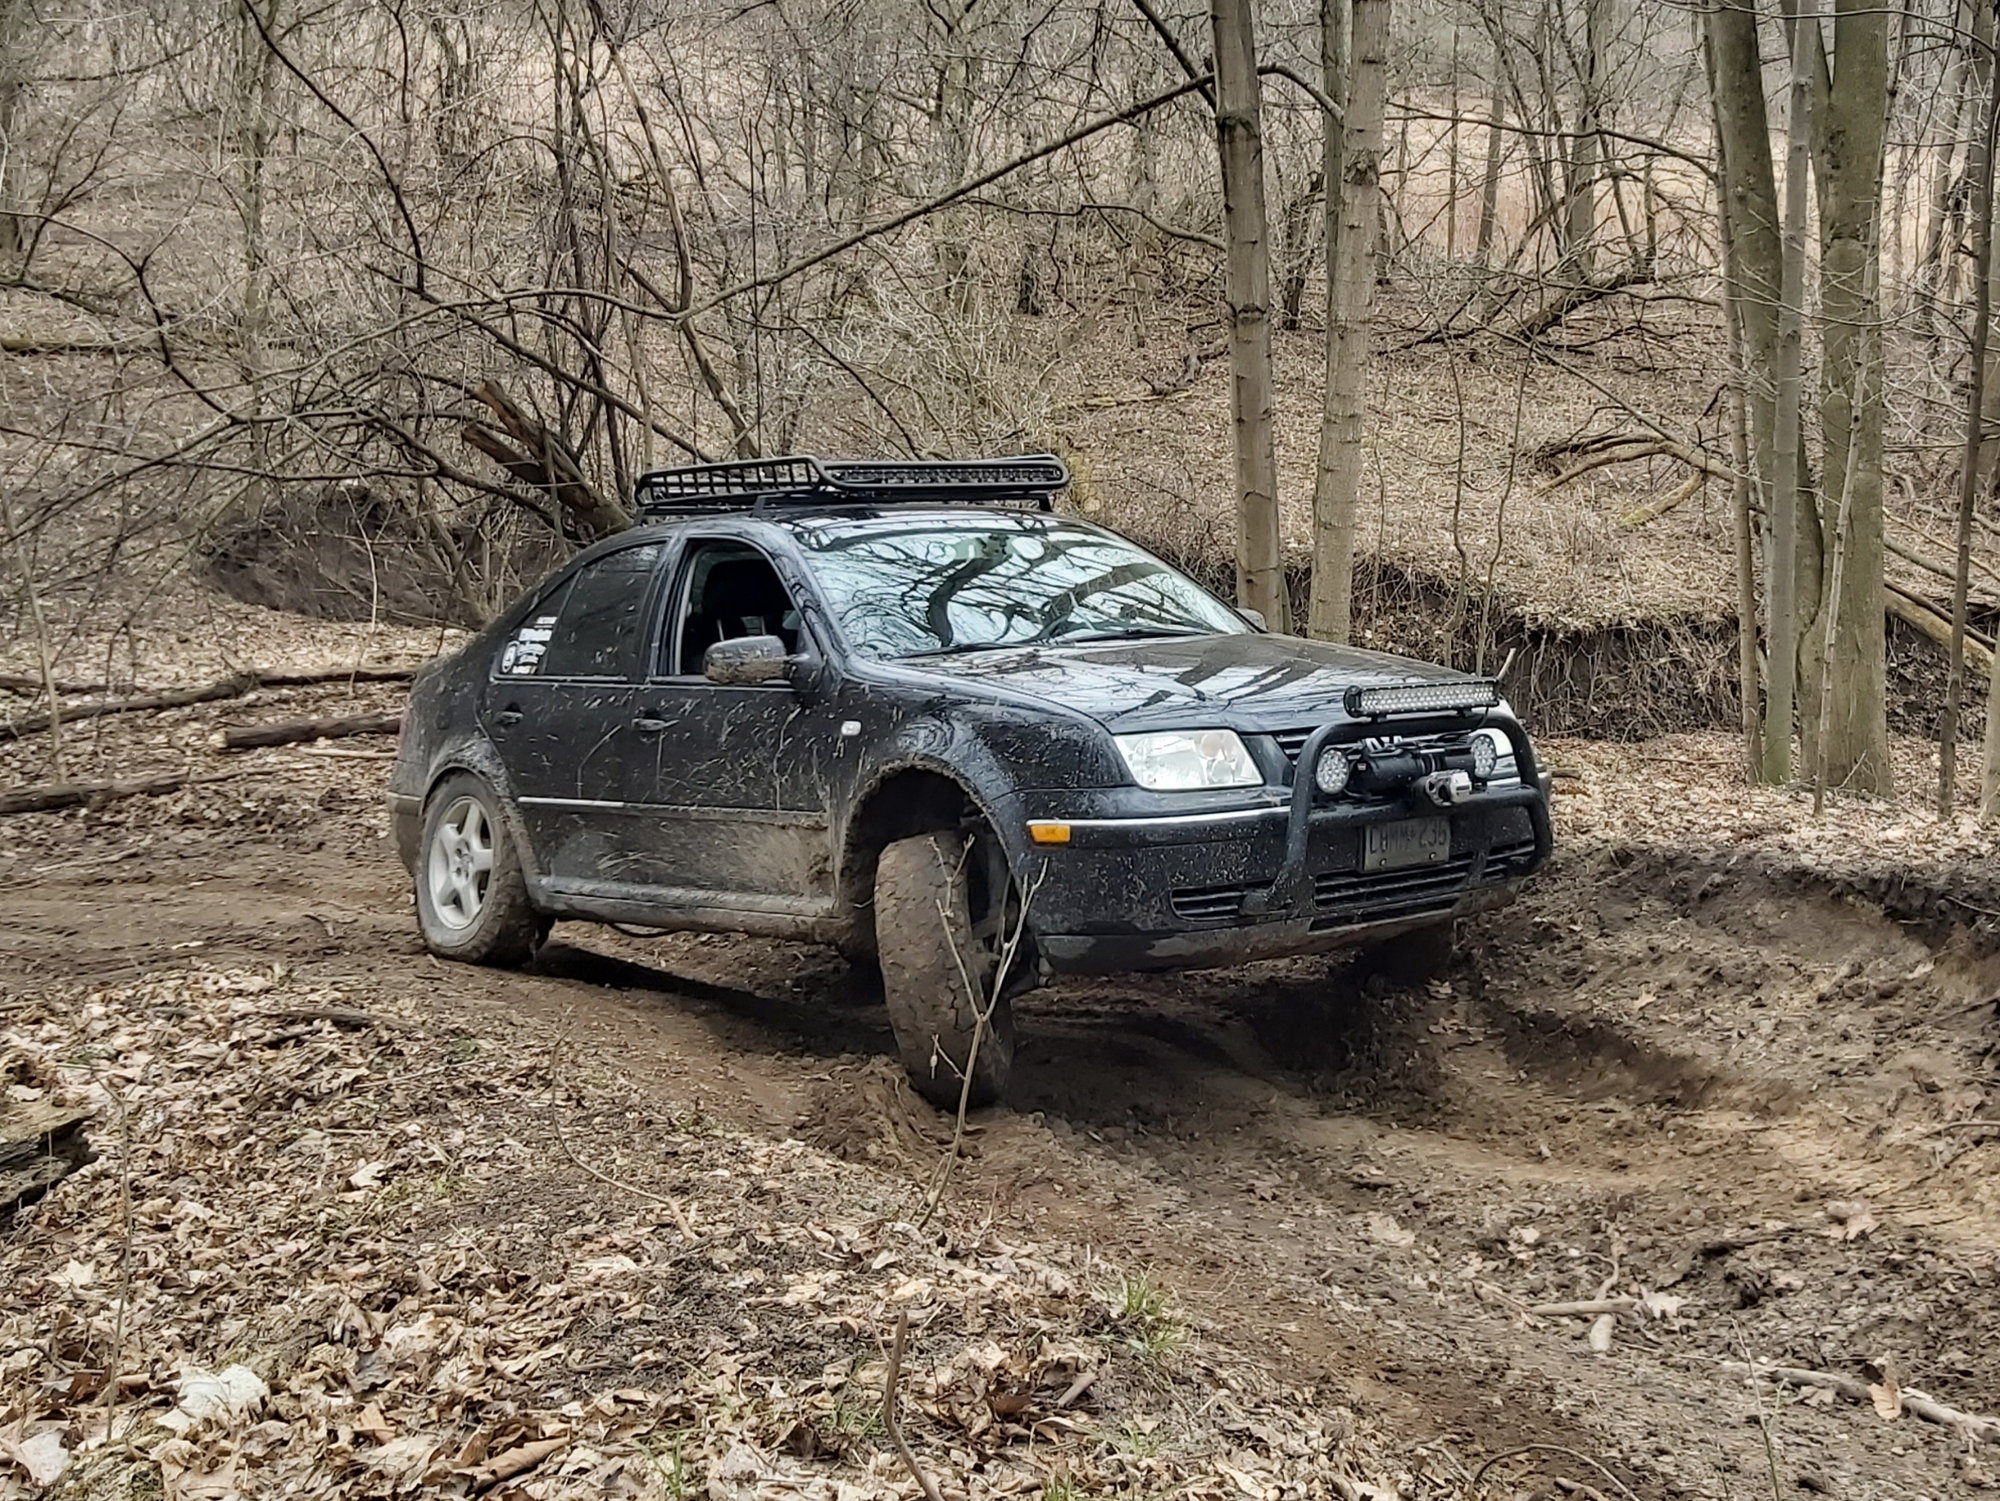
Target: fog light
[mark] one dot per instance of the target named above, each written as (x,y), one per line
(1330,776)
(1485,756)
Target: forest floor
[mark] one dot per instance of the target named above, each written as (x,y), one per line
(640,1220)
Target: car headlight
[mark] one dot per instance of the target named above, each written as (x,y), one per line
(1189,760)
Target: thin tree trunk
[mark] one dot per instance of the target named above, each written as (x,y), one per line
(1749,685)
(1781,561)
(1968,476)
(16,17)
(1350,305)
(1955,89)
(1260,576)
(1489,189)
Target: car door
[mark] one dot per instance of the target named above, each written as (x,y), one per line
(559,704)
(731,779)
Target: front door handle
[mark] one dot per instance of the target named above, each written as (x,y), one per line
(507,717)
(646,724)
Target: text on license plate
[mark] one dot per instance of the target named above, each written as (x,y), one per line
(1413,841)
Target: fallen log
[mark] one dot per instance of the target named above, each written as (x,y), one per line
(1915,610)
(51,797)
(40,1145)
(295,731)
(233,686)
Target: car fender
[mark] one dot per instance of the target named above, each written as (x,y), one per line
(475,754)
(933,744)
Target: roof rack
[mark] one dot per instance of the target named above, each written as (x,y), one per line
(801,479)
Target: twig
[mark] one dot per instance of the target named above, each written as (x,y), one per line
(1623,1489)
(673,1205)
(1589,1306)
(890,1424)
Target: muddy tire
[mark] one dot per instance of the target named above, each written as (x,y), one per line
(472,900)
(1409,959)
(929,951)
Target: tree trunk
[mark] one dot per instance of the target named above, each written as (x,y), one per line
(1751,223)
(1260,576)
(1782,537)
(1968,475)
(1849,123)
(1349,304)
(16,19)
(1489,187)
(1580,231)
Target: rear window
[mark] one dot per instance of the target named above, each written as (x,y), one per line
(593,626)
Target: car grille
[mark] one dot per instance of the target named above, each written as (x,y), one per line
(1425,888)
(1208,903)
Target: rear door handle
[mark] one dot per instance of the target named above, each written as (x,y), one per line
(645,724)
(507,717)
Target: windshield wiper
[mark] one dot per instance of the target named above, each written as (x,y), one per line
(1130,633)
(960,648)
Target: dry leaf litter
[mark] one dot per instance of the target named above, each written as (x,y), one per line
(339,1254)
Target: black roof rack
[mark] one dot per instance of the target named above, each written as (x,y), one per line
(801,479)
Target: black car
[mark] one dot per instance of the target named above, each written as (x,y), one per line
(908,709)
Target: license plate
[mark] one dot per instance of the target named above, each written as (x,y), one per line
(1398,846)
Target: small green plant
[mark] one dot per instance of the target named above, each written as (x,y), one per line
(672,1470)
(1145,1314)
(1139,1298)
(1062,1488)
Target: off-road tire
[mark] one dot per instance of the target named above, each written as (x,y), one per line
(1409,959)
(928,953)
(502,928)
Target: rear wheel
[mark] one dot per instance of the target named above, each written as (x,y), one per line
(937,935)
(472,900)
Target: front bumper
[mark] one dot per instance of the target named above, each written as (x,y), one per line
(1282,876)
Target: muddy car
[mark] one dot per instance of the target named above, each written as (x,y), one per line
(910,710)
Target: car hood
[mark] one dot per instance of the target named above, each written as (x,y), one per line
(1246,682)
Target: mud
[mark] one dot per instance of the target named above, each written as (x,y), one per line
(1741,1088)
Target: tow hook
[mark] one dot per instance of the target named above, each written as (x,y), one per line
(1446,789)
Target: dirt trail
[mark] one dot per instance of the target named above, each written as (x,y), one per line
(1716,1083)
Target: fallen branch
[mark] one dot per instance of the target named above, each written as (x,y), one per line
(1971,1425)
(1915,610)
(294,731)
(53,796)
(889,1423)
(233,686)
(1589,1307)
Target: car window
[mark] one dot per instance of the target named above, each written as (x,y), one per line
(727,589)
(592,626)
(905,586)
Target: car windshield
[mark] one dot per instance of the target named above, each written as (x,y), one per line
(927,585)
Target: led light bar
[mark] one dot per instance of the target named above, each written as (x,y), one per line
(1459,696)
(746,484)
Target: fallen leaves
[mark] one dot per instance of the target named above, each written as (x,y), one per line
(360,1263)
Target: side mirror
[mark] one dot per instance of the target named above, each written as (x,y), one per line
(1255,617)
(745,661)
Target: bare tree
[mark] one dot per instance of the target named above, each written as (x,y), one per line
(1239,139)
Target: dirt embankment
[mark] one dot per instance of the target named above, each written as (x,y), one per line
(1736,1077)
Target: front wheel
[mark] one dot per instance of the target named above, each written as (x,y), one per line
(472,899)
(956,1036)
